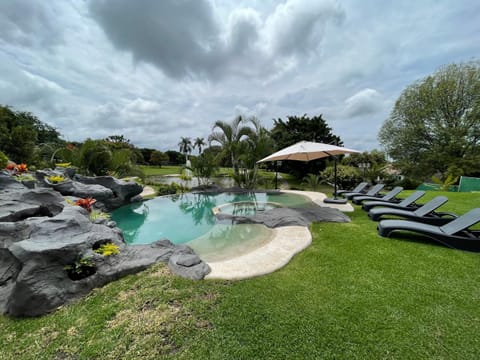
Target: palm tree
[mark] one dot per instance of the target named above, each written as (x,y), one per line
(230,136)
(185,145)
(199,142)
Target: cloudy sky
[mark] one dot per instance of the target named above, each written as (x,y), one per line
(156,70)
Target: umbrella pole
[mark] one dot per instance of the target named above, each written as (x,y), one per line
(335,200)
(276,175)
(335,177)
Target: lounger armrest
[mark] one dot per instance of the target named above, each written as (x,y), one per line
(445,214)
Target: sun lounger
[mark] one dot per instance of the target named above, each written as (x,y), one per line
(424,214)
(360,188)
(406,204)
(388,197)
(455,234)
(371,192)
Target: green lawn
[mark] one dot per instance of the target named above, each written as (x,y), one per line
(351,294)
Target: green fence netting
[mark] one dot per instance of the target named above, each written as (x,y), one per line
(435,187)
(468,184)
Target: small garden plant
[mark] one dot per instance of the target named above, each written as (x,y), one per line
(108,249)
(82,267)
(86,203)
(56,179)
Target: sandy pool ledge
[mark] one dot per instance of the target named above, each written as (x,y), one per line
(286,242)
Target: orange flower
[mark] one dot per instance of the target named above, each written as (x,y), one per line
(22,168)
(86,203)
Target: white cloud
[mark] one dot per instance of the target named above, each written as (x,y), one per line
(364,102)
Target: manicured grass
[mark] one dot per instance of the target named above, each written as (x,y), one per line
(351,294)
(164,170)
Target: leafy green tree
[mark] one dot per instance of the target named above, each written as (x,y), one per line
(347,176)
(302,128)
(22,135)
(435,123)
(175,158)
(204,167)
(158,157)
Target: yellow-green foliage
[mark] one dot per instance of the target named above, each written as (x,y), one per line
(94,215)
(108,249)
(56,179)
(65,165)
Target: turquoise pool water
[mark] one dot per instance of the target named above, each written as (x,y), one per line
(186,217)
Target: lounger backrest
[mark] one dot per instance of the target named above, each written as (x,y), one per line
(412,198)
(433,204)
(374,190)
(360,187)
(394,192)
(462,223)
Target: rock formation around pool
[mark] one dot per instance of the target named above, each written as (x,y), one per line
(302,216)
(51,252)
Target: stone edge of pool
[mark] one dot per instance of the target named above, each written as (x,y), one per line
(286,243)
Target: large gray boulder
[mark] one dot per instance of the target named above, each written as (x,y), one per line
(288,216)
(48,257)
(124,190)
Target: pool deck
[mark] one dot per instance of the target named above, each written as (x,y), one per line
(286,242)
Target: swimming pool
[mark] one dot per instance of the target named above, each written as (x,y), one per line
(188,218)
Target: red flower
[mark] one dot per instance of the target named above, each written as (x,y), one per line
(11,166)
(86,203)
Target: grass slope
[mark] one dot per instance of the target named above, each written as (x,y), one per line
(351,294)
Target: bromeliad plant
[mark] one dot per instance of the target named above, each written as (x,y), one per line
(107,249)
(22,168)
(56,179)
(86,203)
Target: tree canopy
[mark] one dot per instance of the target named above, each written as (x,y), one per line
(435,123)
(22,135)
(295,129)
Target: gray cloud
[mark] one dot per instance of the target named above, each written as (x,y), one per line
(29,23)
(158,70)
(187,39)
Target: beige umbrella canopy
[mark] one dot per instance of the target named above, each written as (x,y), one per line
(307,151)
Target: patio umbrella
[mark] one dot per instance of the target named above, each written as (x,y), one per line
(307,151)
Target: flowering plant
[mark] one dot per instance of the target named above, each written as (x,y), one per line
(11,166)
(86,203)
(22,168)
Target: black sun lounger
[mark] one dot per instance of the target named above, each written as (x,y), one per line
(424,214)
(455,234)
(406,204)
(371,192)
(358,189)
(389,197)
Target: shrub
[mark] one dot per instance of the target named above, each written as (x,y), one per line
(347,176)
(3,160)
